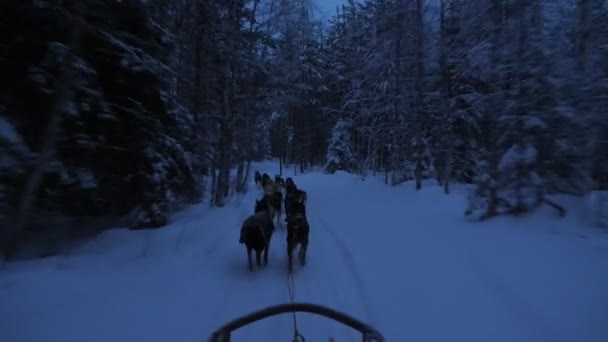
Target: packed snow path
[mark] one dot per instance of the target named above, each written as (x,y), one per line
(401,260)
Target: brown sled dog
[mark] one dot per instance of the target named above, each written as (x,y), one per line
(273,196)
(256,233)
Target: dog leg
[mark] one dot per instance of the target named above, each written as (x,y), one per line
(275,218)
(289,257)
(258,258)
(303,257)
(249,260)
(303,249)
(266,253)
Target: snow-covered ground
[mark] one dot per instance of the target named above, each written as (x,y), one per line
(404,261)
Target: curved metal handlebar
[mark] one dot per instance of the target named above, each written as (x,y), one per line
(368,333)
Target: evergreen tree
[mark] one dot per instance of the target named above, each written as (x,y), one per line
(340,155)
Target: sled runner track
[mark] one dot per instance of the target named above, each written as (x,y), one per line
(348,261)
(518,309)
(217,243)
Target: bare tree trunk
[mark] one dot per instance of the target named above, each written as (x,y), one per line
(240,171)
(369,157)
(64,95)
(494,108)
(584,33)
(197,73)
(447,172)
(213,169)
(419,79)
(225,146)
(583,47)
(242,176)
(386,167)
(246,176)
(418,175)
(395,151)
(225,160)
(445,101)
(233,26)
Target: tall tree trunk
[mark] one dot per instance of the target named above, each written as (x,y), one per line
(386,165)
(419,82)
(233,35)
(242,176)
(583,44)
(583,34)
(214,169)
(447,172)
(223,177)
(225,146)
(444,91)
(197,74)
(493,156)
(396,146)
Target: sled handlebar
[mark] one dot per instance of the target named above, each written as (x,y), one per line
(368,333)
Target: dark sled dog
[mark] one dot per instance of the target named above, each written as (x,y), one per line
(295,196)
(279,180)
(256,233)
(290,185)
(265,180)
(273,199)
(294,205)
(298,231)
(258,179)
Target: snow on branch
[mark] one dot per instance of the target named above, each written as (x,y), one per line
(135,58)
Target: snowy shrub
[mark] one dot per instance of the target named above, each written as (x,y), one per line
(340,154)
(479,197)
(519,183)
(420,159)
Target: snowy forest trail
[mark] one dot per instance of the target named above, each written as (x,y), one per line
(399,259)
(329,278)
(411,264)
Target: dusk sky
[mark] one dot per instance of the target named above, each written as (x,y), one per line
(327,8)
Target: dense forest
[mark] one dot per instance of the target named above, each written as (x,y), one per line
(121,112)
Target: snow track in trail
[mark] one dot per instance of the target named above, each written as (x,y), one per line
(518,309)
(399,259)
(326,279)
(329,278)
(242,291)
(491,288)
(348,261)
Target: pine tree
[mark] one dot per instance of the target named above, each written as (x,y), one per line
(340,155)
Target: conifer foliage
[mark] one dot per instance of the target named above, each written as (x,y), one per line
(132,109)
